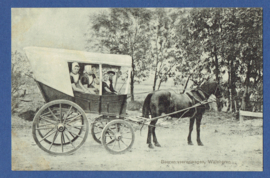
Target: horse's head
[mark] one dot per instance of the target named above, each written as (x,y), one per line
(211,87)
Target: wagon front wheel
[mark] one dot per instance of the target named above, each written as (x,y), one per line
(118,137)
(60,127)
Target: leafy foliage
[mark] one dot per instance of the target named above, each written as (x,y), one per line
(20,73)
(204,42)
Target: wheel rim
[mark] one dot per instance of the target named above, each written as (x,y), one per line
(118,137)
(60,127)
(97,127)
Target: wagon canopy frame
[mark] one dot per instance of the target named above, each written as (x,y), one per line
(50,65)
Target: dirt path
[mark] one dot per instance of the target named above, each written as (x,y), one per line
(228,147)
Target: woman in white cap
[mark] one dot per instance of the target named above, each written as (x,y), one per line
(106,85)
(74,77)
(87,80)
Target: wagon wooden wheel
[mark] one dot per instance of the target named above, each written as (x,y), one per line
(117,136)
(60,127)
(97,127)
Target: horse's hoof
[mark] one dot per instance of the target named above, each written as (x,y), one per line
(151,146)
(157,145)
(200,144)
(190,143)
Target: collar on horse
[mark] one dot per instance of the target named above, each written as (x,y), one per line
(201,95)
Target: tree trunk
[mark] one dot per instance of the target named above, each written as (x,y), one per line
(229,90)
(217,72)
(216,65)
(245,98)
(155,80)
(132,81)
(232,88)
(159,84)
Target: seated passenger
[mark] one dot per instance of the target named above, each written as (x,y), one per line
(88,81)
(74,77)
(96,79)
(111,75)
(105,86)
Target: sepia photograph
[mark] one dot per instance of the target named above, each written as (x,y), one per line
(137,89)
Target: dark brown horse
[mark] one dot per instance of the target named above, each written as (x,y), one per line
(166,102)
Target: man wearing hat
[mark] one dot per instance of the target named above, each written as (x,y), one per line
(111,75)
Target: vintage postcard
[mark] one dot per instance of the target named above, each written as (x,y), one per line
(137,89)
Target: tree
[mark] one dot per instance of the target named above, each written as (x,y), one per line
(251,50)
(165,53)
(125,31)
(21,77)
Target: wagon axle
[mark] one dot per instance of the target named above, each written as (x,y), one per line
(61,127)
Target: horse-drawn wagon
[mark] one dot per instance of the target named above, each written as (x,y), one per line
(61,126)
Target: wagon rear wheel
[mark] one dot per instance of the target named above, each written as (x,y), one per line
(117,137)
(97,127)
(60,127)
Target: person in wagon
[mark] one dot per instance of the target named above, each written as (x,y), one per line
(106,86)
(88,80)
(96,78)
(74,77)
(111,75)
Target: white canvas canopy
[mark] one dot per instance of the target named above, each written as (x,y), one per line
(50,66)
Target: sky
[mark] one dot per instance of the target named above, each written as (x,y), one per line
(50,27)
(54,28)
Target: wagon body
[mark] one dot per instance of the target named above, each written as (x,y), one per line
(107,105)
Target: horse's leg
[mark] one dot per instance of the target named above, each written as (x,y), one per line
(154,134)
(149,137)
(198,125)
(191,123)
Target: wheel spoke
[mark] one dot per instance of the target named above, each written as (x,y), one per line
(109,135)
(76,117)
(110,142)
(44,128)
(65,117)
(71,134)
(62,142)
(44,125)
(119,144)
(74,133)
(69,140)
(46,114)
(97,132)
(124,143)
(47,135)
(47,120)
(55,136)
(113,145)
(60,112)
(75,126)
(53,114)
(127,138)
(64,138)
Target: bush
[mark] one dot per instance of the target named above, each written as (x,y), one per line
(21,78)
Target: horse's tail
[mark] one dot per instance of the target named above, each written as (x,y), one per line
(146,106)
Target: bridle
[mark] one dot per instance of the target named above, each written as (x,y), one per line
(217,87)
